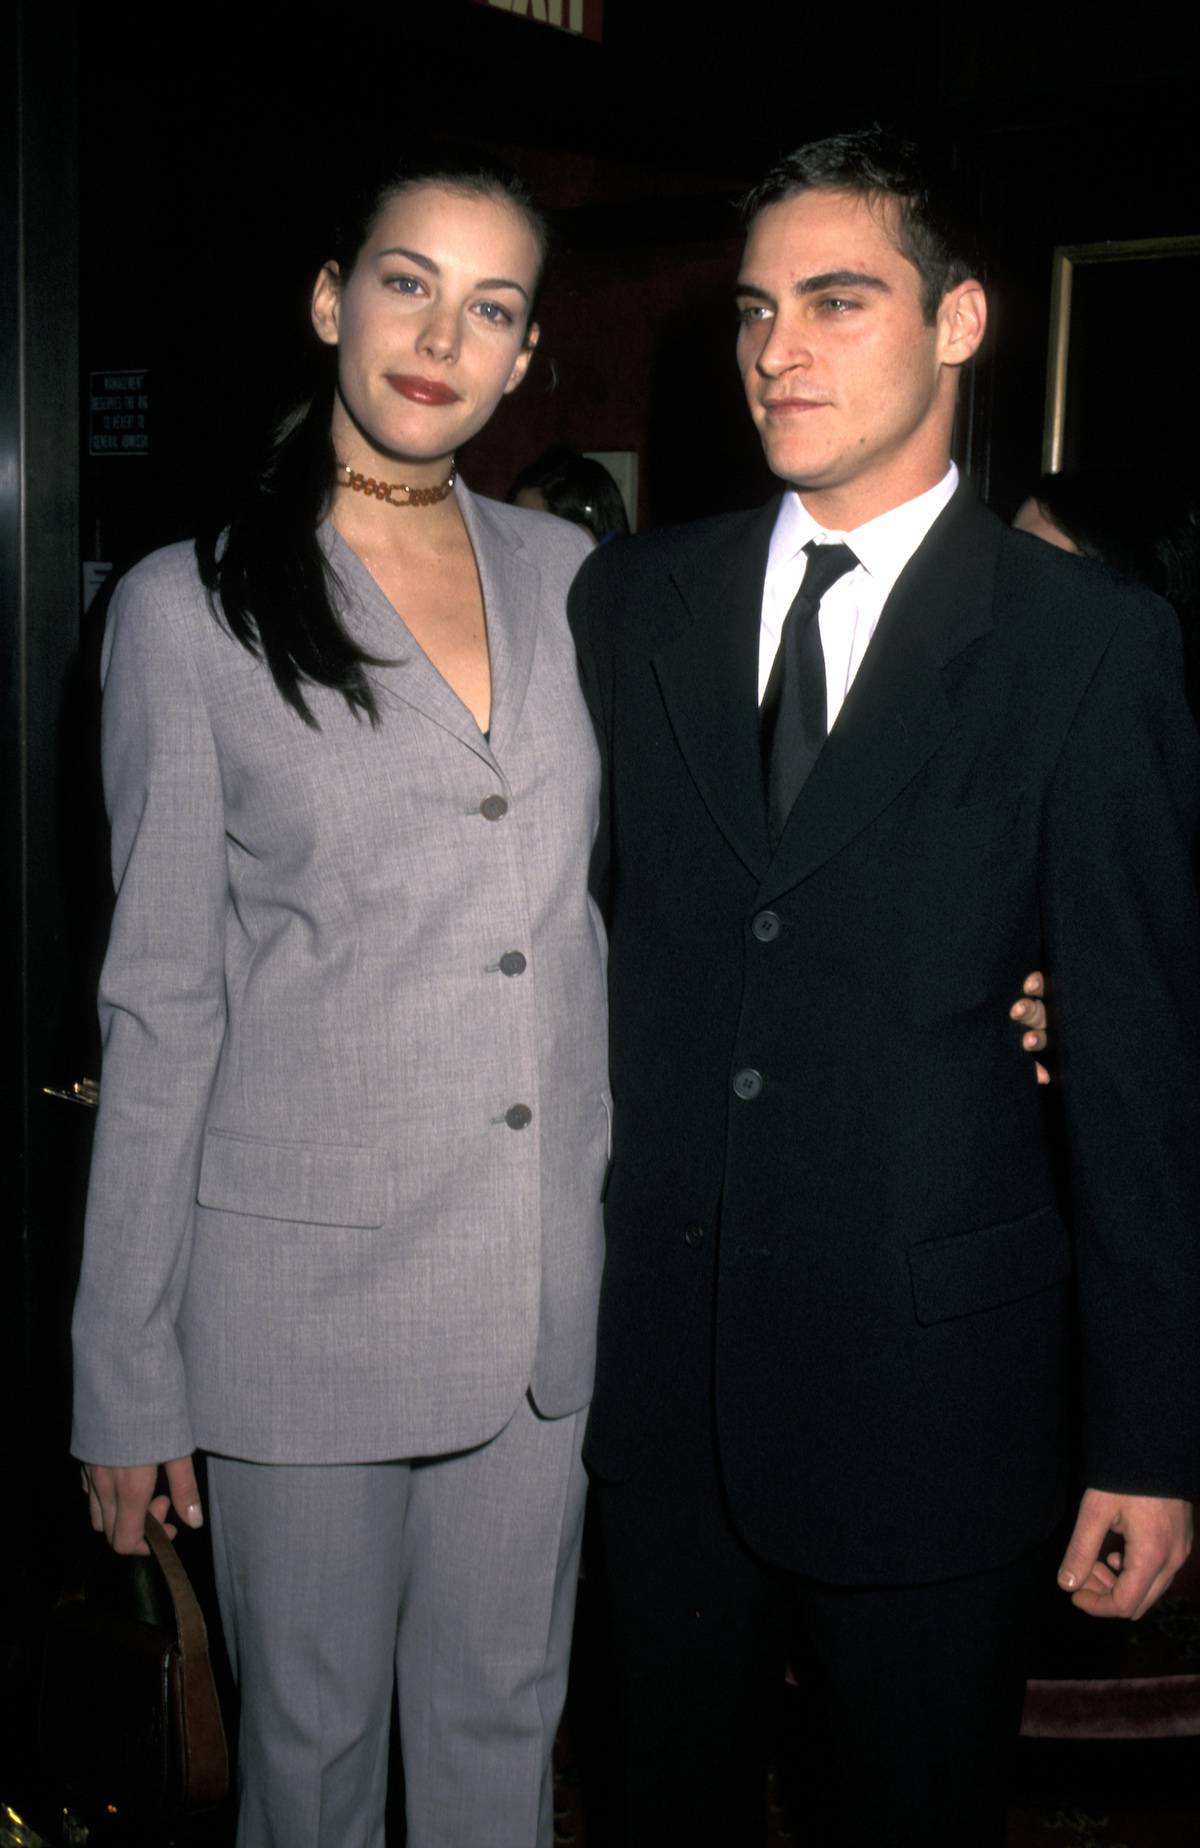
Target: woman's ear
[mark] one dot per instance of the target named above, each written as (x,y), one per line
(533,334)
(327,303)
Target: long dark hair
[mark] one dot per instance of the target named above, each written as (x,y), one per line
(265,571)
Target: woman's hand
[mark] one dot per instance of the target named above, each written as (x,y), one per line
(1030,1013)
(119,1496)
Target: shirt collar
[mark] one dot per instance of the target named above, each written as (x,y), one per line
(883,546)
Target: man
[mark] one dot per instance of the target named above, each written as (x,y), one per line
(836,1324)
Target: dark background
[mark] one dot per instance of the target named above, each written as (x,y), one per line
(162,195)
(208,156)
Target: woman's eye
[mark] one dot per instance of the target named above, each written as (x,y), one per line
(494,312)
(403,285)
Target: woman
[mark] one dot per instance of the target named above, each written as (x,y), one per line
(345,1202)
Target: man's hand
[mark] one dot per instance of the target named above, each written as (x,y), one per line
(118,1498)
(1156,1536)
(1030,1012)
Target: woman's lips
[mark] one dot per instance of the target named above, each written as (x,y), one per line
(421,391)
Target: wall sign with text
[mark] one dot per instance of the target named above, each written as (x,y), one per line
(119,414)
(585,18)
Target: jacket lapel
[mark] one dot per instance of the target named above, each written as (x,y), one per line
(708,675)
(896,714)
(510,586)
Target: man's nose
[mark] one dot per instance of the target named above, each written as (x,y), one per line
(785,346)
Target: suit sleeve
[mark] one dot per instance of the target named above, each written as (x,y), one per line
(162,1017)
(1123,945)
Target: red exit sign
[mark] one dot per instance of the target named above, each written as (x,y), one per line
(585,18)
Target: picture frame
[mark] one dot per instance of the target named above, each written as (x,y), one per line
(1104,390)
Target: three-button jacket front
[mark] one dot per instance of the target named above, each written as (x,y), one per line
(766,926)
(494,808)
(747,1084)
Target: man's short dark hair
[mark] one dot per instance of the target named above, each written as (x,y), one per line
(933,228)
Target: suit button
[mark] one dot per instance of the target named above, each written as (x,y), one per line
(767,926)
(518,1116)
(493,807)
(693,1238)
(512,963)
(748,1084)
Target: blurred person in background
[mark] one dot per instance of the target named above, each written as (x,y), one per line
(576,488)
(1143,522)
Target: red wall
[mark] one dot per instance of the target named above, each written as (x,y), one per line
(636,352)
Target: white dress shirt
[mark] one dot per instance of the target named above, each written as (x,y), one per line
(851,608)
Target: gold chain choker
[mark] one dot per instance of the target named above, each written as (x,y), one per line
(396,493)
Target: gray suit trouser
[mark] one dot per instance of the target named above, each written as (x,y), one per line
(456,1575)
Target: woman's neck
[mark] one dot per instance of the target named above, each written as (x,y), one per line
(370,508)
(377,529)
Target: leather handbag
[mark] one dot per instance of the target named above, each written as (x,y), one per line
(130,1723)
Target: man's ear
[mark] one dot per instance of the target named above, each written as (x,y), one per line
(327,303)
(521,365)
(962,322)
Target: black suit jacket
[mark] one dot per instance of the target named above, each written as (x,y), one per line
(831,1155)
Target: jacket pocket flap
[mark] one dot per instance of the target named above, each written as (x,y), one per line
(981,1270)
(308,1183)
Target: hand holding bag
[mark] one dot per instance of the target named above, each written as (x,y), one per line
(130,1721)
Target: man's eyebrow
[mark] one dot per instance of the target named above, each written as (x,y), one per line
(815,285)
(431,269)
(841,279)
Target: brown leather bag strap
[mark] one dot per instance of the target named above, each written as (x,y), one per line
(207,1760)
(189,1620)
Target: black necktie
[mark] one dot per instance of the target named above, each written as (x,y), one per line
(793,717)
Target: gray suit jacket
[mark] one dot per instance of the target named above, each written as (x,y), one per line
(345,1198)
